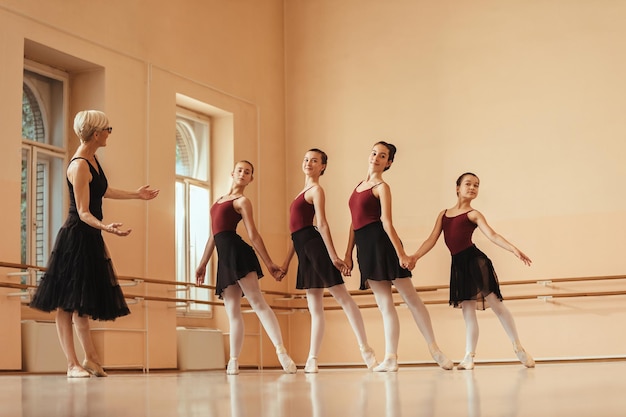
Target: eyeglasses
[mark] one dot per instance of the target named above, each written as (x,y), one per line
(108,129)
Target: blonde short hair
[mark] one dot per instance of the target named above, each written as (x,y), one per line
(88,122)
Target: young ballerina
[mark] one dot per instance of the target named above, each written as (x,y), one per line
(380,255)
(473,280)
(318,264)
(238,268)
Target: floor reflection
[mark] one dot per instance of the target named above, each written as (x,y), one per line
(380,395)
(473,396)
(571,389)
(414,393)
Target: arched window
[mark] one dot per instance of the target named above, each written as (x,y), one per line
(32,119)
(186,149)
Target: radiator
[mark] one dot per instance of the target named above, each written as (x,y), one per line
(200,349)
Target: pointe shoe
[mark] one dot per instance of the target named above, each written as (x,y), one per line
(524,357)
(289,366)
(467,363)
(369,357)
(441,359)
(77,372)
(390,364)
(311,365)
(233,367)
(93,368)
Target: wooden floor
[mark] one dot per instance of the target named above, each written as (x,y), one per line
(586,389)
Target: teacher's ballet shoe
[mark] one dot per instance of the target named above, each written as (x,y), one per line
(77,372)
(93,368)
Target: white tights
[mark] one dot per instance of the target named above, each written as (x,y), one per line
(315,301)
(391,323)
(471,323)
(249,286)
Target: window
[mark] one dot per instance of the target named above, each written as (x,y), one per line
(193,197)
(43,161)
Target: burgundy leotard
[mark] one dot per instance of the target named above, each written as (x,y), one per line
(364,207)
(301,213)
(457,232)
(224,217)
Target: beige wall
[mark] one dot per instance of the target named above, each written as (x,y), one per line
(526,94)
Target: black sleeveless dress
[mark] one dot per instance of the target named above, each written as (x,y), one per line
(80,276)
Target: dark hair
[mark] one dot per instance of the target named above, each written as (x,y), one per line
(324,157)
(392,150)
(460,179)
(245,161)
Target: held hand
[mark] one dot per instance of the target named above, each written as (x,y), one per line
(114,228)
(404,261)
(281,274)
(200,272)
(522,256)
(341,266)
(276,272)
(349,266)
(145,193)
(411,264)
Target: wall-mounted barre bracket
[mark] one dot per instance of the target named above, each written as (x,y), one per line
(19,294)
(132,283)
(18,274)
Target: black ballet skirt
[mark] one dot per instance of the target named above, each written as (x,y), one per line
(315,268)
(472,277)
(80,276)
(235,260)
(376,255)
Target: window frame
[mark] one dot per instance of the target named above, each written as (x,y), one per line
(54,207)
(198,152)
